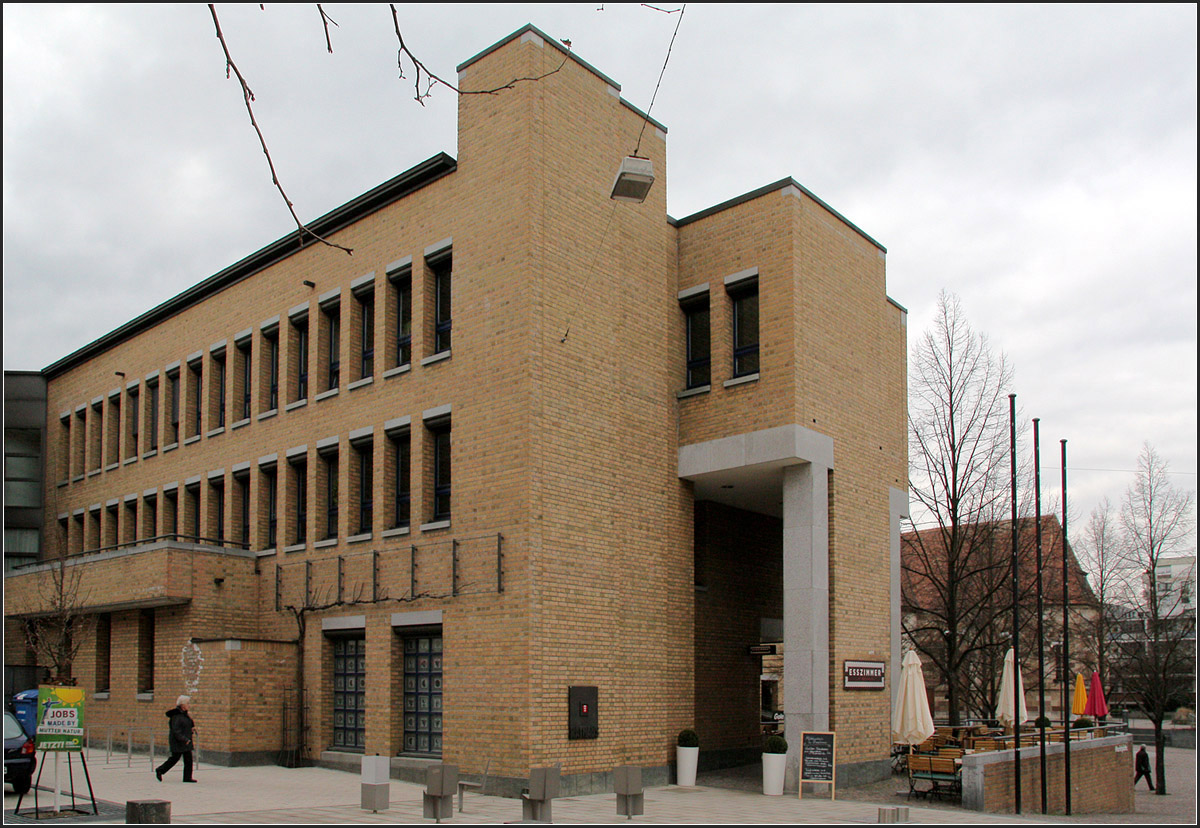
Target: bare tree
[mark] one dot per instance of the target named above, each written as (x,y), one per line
(1156,647)
(1102,557)
(953,575)
(57,631)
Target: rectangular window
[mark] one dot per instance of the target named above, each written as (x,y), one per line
(133,414)
(439,433)
(333,339)
(698,341)
(402,295)
(195,386)
(149,516)
(96,436)
(364,461)
(329,493)
(300,499)
(745,327)
(247,375)
(170,527)
(241,484)
(268,506)
(300,326)
(22,467)
(271,345)
(173,391)
(441,270)
(152,416)
(145,662)
(423,694)
(349,693)
(103,652)
(401,467)
(193,513)
(366,333)
(220,383)
(216,509)
(112,525)
(113,448)
(79,447)
(130,526)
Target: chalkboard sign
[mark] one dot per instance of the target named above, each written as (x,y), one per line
(818,757)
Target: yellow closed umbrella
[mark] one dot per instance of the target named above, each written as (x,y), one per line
(1079,702)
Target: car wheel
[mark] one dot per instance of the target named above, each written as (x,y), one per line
(21,785)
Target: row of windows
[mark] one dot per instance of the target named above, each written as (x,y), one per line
(218,510)
(742,290)
(91,438)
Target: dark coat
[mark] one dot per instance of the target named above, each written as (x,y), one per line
(180,740)
(1141,762)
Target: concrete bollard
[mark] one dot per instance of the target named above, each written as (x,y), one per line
(544,786)
(376,783)
(887,815)
(627,782)
(147,811)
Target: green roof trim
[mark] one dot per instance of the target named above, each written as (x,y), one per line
(394,189)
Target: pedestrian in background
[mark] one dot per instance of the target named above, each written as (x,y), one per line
(1141,764)
(179,740)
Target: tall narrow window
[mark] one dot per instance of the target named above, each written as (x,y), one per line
(170,518)
(441,271)
(216,509)
(145,652)
(745,327)
(329,492)
(698,357)
(193,513)
(133,414)
(150,516)
(401,282)
(331,314)
(439,434)
(79,446)
(103,652)
(152,415)
(130,525)
(401,445)
(112,451)
(268,506)
(64,447)
(220,382)
(299,474)
(96,436)
(349,693)
(195,386)
(366,333)
(423,693)
(247,377)
(365,472)
(301,328)
(241,483)
(173,408)
(271,357)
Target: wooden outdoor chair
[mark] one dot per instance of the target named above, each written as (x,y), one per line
(918,771)
(950,753)
(984,745)
(947,777)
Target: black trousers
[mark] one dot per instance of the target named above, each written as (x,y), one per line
(1149,778)
(170,763)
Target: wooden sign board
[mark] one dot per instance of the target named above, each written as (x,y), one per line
(818,760)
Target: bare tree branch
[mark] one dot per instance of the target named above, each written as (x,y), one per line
(325,21)
(248,97)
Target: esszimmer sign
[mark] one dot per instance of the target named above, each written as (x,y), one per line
(862,675)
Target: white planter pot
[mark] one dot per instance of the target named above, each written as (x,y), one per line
(685,765)
(773,767)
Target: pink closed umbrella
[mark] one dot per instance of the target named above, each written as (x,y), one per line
(1096,707)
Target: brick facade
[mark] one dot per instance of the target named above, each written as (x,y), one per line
(547,417)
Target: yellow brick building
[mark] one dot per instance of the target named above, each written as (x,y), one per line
(529,445)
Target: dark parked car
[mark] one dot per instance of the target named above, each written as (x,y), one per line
(19,759)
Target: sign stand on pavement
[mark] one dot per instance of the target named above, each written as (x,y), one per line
(59,730)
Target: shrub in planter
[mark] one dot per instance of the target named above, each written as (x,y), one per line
(687,756)
(1042,721)
(774,761)
(1082,721)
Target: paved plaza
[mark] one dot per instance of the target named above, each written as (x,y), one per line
(275,795)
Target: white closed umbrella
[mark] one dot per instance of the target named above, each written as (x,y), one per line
(912,723)
(1011,711)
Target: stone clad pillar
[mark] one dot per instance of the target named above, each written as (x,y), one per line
(805,606)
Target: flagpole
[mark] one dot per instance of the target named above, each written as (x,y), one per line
(1012,440)
(1065,649)
(1037,500)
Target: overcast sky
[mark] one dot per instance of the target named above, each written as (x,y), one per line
(1039,162)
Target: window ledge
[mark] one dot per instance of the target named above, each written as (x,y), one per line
(149,454)
(240,423)
(189,440)
(741,380)
(365,536)
(169,447)
(430,360)
(216,431)
(397,371)
(292,406)
(360,383)
(128,460)
(437,524)
(324,395)
(691,392)
(100,695)
(322,544)
(296,547)
(93,473)
(394,533)
(145,696)
(77,478)
(265,553)
(62,483)
(266,415)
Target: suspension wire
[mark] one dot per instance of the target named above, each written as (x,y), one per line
(660,77)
